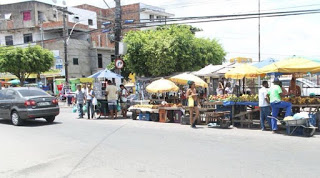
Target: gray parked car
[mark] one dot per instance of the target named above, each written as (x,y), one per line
(19,104)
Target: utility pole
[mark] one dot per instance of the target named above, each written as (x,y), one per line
(117,30)
(259,31)
(65,36)
(41,31)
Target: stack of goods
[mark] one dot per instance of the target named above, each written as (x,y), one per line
(169,105)
(302,100)
(146,106)
(213,98)
(244,98)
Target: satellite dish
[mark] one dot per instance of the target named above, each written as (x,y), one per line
(54,1)
(64,2)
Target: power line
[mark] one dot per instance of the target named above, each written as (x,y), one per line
(202,19)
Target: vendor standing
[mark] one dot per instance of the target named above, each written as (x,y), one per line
(294,89)
(274,96)
(193,103)
(220,88)
(264,105)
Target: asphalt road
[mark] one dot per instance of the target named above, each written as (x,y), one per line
(127,148)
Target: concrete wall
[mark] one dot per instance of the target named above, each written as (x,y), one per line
(17,9)
(76,49)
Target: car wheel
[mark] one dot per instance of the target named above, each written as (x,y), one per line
(15,118)
(50,119)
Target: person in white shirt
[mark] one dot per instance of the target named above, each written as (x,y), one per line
(123,100)
(228,89)
(89,97)
(84,88)
(264,105)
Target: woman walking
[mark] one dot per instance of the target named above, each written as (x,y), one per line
(193,103)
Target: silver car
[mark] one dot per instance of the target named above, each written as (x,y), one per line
(19,104)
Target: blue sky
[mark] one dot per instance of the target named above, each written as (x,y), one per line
(281,37)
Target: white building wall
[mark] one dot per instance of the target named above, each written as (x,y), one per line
(18,36)
(84,16)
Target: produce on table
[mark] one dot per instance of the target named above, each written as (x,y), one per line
(302,100)
(219,97)
(234,98)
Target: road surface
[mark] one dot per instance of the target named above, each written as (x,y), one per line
(127,148)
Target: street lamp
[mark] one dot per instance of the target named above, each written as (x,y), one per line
(72,30)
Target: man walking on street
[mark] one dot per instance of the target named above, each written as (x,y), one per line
(274,95)
(264,105)
(80,99)
(89,97)
(112,96)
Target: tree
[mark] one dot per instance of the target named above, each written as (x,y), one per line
(170,49)
(21,62)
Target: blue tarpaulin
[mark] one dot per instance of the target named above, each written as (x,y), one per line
(230,103)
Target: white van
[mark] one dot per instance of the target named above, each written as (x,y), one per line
(307,87)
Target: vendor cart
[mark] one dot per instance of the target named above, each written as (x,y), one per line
(307,129)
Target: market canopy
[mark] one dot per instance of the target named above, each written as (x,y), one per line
(293,65)
(183,79)
(105,74)
(161,86)
(264,63)
(243,71)
(16,82)
(207,70)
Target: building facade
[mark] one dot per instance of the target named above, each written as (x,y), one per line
(90,45)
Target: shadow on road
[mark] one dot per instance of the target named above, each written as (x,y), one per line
(30,123)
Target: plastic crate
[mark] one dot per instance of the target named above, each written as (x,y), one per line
(185,120)
(144,116)
(154,117)
(177,116)
(162,115)
(170,116)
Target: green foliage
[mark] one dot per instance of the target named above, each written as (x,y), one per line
(111,66)
(170,49)
(21,62)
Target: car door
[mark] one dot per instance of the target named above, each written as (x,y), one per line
(9,100)
(2,96)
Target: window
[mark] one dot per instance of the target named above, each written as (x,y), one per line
(100,61)
(9,40)
(90,22)
(27,93)
(2,95)
(151,17)
(27,37)
(113,58)
(75,61)
(54,15)
(76,19)
(10,95)
(26,15)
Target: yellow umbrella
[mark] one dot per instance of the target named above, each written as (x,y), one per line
(183,79)
(243,71)
(292,65)
(162,86)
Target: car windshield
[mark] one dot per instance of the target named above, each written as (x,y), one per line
(27,93)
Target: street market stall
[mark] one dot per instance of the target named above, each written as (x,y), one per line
(297,66)
(99,87)
(164,112)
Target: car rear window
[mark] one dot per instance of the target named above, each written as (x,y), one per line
(26,93)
